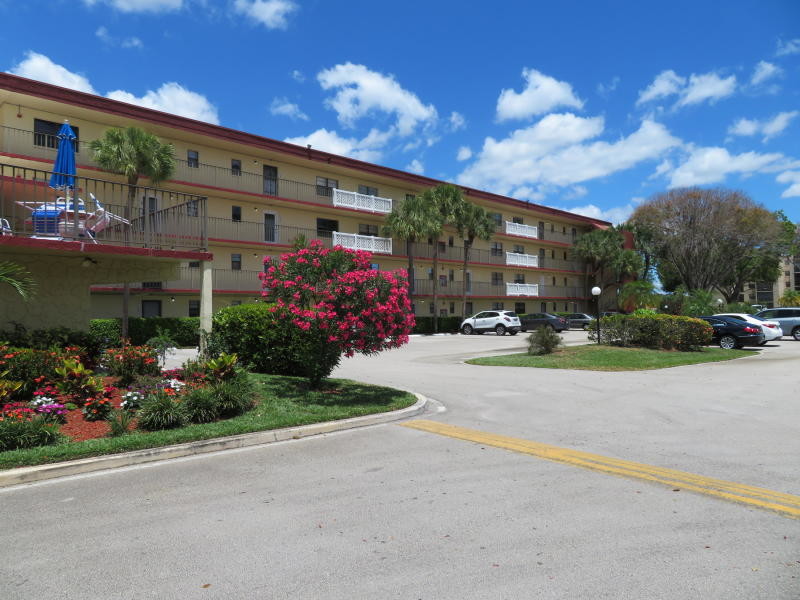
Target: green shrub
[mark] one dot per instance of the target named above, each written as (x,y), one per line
(184,331)
(55,338)
(23,433)
(234,396)
(658,331)
(544,340)
(30,367)
(424,325)
(120,423)
(107,330)
(161,411)
(201,405)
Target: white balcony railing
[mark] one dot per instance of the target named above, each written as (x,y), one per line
(361,201)
(363,242)
(522,289)
(522,260)
(529,231)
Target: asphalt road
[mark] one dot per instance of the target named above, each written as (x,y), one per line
(394,512)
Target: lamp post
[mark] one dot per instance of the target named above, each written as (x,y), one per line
(596,293)
(719,303)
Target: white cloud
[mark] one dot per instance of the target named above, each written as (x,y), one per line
(415,166)
(172,98)
(764,71)
(769,128)
(664,167)
(368,149)
(282,106)
(298,76)
(541,94)
(792,177)
(786,48)
(665,84)
(41,68)
(464,153)
(615,214)
(555,151)
(713,164)
(605,90)
(131,42)
(139,6)
(576,191)
(360,92)
(457,121)
(709,86)
(272,14)
(104,36)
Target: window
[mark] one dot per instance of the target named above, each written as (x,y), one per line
(519,278)
(442,247)
(430,308)
(451,275)
(236,262)
(468,282)
(450,243)
(367,229)
(519,308)
(497,249)
(497,218)
(194,264)
(375,266)
(518,249)
(552,253)
(45,132)
(430,273)
(326,227)
(541,230)
(236,166)
(564,230)
(270,227)
(443,281)
(552,227)
(565,283)
(236,213)
(497,306)
(468,308)
(574,234)
(543,307)
(270,180)
(517,220)
(193,158)
(452,308)
(565,255)
(192,208)
(151,285)
(497,278)
(151,308)
(367,190)
(194,308)
(325,185)
(554,280)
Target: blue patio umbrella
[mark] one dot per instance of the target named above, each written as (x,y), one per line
(64,168)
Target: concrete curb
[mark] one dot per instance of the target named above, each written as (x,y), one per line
(21,475)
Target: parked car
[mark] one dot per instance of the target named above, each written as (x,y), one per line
(732,333)
(536,320)
(789,319)
(579,320)
(499,321)
(609,313)
(772,329)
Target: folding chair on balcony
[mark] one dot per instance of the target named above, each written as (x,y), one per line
(5,228)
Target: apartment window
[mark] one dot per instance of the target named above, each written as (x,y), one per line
(367,229)
(497,278)
(367,190)
(236,213)
(518,249)
(552,227)
(555,307)
(375,266)
(270,227)
(541,230)
(452,308)
(565,255)
(151,285)
(519,308)
(325,185)
(443,281)
(497,249)
(552,254)
(442,247)
(192,208)
(565,282)
(468,308)
(574,234)
(431,308)
(543,306)
(194,264)
(564,230)
(497,306)
(554,280)
(519,278)
(270,180)
(45,134)
(450,242)
(151,308)
(193,158)
(517,220)
(194,308)
(236,166)
(451,275)
(430,273)
(468,282)
(326,227)
(497,218)
(236,262)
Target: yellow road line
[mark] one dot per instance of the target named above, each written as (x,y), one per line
(785,504)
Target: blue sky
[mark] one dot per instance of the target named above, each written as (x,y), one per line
(588,106)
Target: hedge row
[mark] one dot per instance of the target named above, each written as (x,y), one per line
(446,324)
(666,332)
(184,331)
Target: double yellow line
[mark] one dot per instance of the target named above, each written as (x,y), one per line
(787,505)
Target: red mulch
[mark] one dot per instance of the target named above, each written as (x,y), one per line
(79,429)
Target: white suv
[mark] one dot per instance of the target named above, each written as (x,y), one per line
(499,321)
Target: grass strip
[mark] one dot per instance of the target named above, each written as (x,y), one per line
(594,357)
(281,402)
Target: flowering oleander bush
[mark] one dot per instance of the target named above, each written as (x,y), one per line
(129,361)
(339,303)
(666,332)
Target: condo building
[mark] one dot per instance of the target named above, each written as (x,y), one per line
(235,198)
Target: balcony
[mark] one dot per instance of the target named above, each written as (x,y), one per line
(522,289)
(522,260)
(376,245)
(224,280)
(358,201)
(528,231)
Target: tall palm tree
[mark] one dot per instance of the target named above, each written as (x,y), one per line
(472,222)
(446,201)
(410,221)
(17,277)
(133,152)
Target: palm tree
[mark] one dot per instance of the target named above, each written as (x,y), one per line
(446,201)
(637,294)
(17,277)
(410,221)
(472,222)
(606,259)
(133,152)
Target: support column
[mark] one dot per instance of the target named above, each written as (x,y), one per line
(206,298)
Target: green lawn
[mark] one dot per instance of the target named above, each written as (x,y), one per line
(594,357)
(281,402)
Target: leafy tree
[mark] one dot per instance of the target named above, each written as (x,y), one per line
(472,222)
(644,245)
(133,152)
(607,261)
(17,277)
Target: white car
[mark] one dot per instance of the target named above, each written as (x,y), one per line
(499,321)
(772,329)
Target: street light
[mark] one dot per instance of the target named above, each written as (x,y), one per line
(719,303)
(596,293)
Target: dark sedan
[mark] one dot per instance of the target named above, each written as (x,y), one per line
(579,320)
(731,333)
(536,320)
